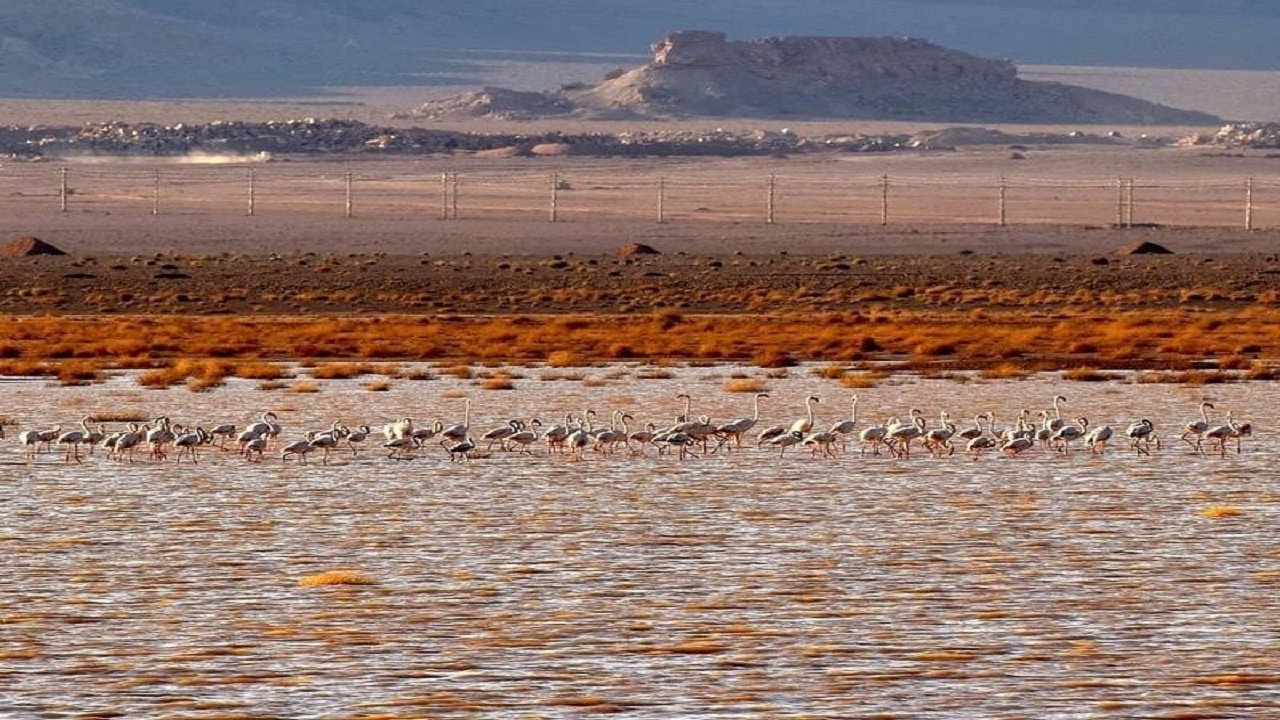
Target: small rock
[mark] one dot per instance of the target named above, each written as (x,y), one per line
(634,249)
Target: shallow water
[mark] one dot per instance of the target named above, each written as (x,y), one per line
(731,585)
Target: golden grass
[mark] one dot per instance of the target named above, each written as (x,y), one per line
(1087,374)
(172,349)
(497,382)
(341,370)
(745,385)
(1221,511)
(336,577)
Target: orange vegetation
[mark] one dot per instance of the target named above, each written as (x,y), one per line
(336,577)
(204,350)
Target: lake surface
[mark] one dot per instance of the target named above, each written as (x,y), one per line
(734,585)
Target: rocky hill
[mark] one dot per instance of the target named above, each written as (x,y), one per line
(203,48)
(702,73)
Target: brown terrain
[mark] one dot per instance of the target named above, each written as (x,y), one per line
(940,285)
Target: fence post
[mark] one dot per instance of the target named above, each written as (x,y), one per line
(1003,191)
(662,200)
(350,199)
(1119,202)
(453,196)
(884,199)
(444,196)
(1248,204)
(155,193)
(62,192)
(555,196)
(253,199)
(772,196)
(1128,219)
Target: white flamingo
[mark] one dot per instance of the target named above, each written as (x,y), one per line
(805,424)
(1197,428)
(459,432)
(735,430)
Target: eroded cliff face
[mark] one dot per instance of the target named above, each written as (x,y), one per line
(850,59)
(697,73)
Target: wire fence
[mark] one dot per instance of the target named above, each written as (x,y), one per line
(1249,203)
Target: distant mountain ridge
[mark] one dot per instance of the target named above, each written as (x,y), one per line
(198,48)
(698,73)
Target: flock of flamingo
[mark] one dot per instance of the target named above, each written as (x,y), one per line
(686,437)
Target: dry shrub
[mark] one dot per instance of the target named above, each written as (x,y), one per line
(1004,371)
(1261,371)
(304,387)
(862,380)
(1221,511)
(461,372)
(497,382)
(336,577)
(830,372)
(199,374)
(1234,362)
(668,318)
(655,374)
(1086,374)
(564,358)
(934,349)
(120,416)
(745,385)
(268,385)
(773,358)
(377,386)
(341,371)
(78,372)
(259,371)
(27,368)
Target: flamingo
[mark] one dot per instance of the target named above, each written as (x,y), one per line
(822,442)
(299,449)
(736,429)
(786,440)
(1221,433)
(459,432)
(461,451)
(188,444)
(844,428)
(401,448)
(899,438)
(980,444)
(72,439)
(1197,428)
(1140,435)
(976,431)
(1097,439)
(501,434)
(938,438)
(805,424)
(642,438)
(224,431)
(1063,436)
(526,436)
(876,435)
(359,435)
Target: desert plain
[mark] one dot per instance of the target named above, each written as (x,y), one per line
(996,257)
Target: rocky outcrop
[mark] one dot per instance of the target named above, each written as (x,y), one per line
(501,103)
(700,73)
(28,247)
(1264,136)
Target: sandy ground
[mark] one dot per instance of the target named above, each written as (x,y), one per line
(299,254)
